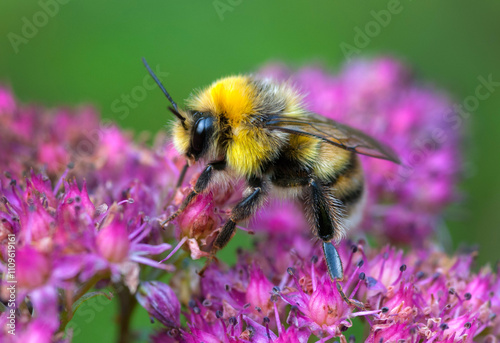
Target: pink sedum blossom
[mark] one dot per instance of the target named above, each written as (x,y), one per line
(85,202)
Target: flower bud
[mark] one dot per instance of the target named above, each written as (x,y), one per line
(113,243)
(160,302)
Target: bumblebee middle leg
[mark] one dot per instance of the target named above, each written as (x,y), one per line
(254,195)
(325,213)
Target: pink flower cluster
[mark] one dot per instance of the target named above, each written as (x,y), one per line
(75,214)
(81,205)
(420,296)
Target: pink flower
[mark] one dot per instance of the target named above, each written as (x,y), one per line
(53,156)
(391,332)
(200,218)
(325,305)
(259,290)
(33,268)
(113,242)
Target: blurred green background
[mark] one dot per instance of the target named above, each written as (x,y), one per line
(73,52)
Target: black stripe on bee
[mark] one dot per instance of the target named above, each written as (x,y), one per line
(351,196)
(348,170)
(287,172)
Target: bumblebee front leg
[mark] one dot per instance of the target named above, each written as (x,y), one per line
(201,184)
(177,185)
(245,208)
(325,214)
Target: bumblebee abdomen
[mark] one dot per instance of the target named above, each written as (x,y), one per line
(348,185)
(338,171)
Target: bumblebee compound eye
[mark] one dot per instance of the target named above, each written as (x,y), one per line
(201,131)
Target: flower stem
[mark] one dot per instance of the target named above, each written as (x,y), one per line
(127,303)
(67,312)
(87,287)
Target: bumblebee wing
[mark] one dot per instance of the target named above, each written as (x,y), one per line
(334,133)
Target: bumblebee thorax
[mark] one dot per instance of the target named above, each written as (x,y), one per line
(232,97)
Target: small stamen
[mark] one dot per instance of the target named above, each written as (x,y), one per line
(177,247)
(126,201)
(266,321)
(63,176)
(278,322)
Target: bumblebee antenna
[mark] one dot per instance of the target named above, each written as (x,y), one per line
(175,109)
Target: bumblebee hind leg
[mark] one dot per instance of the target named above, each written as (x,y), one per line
(334,264)
(333,261)
(325,215)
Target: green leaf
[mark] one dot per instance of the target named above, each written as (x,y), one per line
(88,296)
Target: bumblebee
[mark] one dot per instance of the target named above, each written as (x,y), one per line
(258,130)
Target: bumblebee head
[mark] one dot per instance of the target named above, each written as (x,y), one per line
(194,130)
(194,136)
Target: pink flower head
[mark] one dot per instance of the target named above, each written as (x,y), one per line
(320,306)
(32,268)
